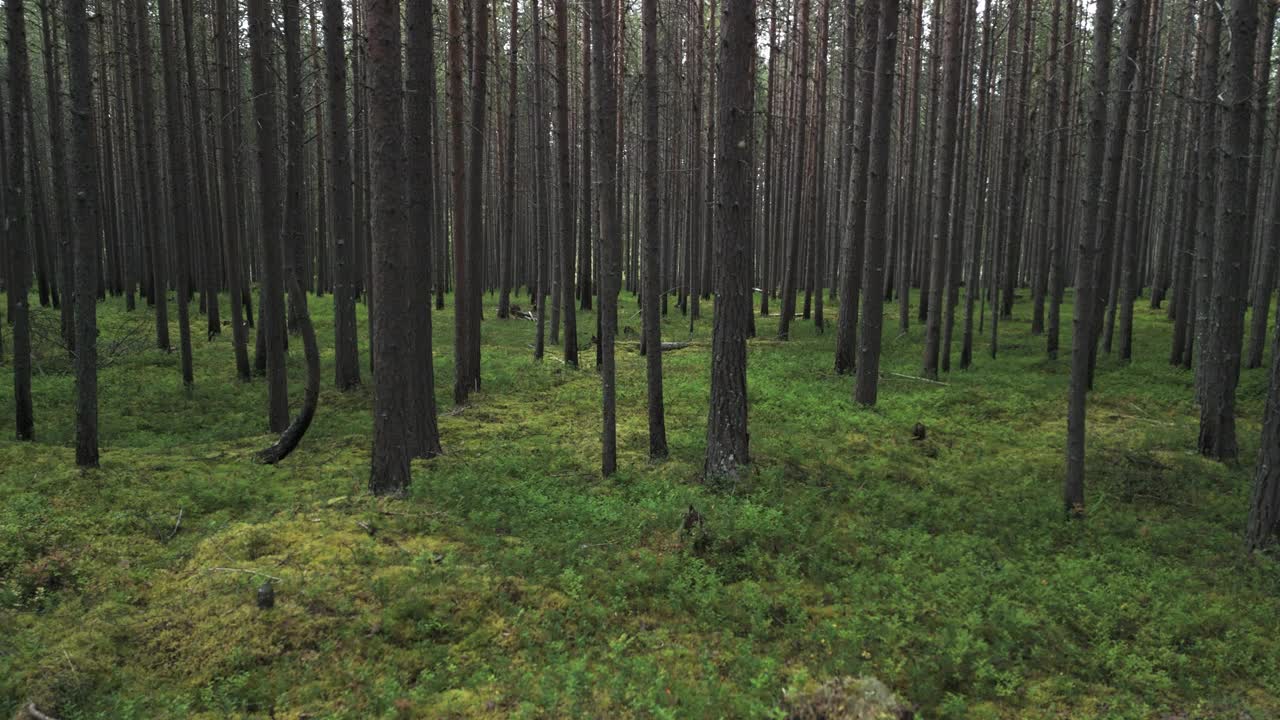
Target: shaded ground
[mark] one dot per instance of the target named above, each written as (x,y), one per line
(513,582)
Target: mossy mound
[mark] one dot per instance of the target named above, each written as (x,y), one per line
(847,698)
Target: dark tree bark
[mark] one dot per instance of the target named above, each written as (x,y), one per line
(474,237)
(977,221)
(800,148)
(1062,163)
(1206,189)
(877,208)
(542,243)
(1231,249)
(423,429)
(393,254)
(228,110)
(463,373)
(19,277)
(952,47)
(507,259)
(652,235)
(152,211)
(180,218)
(587,244)
(295,160)
(606,112)
(728,441)
(855,210)
(61,225)
(84,182)
(568,238)
(346,341)
(1089,249)
(271,296)
(202,223)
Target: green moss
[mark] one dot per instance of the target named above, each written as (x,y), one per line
(513,582)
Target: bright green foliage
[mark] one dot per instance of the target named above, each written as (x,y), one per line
(514,582)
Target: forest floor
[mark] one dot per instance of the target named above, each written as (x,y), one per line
(515,582)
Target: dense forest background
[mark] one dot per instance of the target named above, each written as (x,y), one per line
(529,267)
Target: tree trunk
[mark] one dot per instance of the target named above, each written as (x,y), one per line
(652,235)
(947,136)
(271,296)
(394,327)
(1073,484)
(424,431)
(346,341)
(19,278)
(1231,249)
(727,438)
(606,110)
(877,207)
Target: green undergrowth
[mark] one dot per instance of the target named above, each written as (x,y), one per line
(515,582)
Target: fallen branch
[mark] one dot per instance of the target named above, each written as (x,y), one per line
(34,712)
(666,346)
(176,525)
(913,377)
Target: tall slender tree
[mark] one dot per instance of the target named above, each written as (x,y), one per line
(855,212)
(228,110)
(346,340)
(603,38)
(271,295)
(393,273)
(1231,248)
(877,223)
(424,431)
(728,451)
(653,235)
(84,181)
(952,47)
(800,148)
(568,237)
(179,218)
(1089,249)
(15,221)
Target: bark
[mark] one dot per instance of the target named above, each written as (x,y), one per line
(1206,188)
(1231,250)
(799,149)
(61,225)
(84,182)
(202,223)
(606,110)
(855,210)
(877,207)
(1269,240)
(458,187)
(1089,249)
(568,238)
(506,257)
(19,277)
(474,237)
(652,235)
(952,46)
(180,218)
(271,295)
(151,208)
(424,431)
(228,110)
(346,340)
(392,247)
(727,438)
